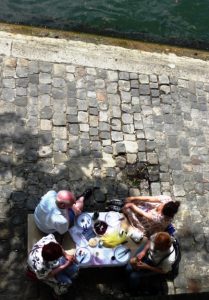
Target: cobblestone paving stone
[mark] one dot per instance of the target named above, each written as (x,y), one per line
(70,126)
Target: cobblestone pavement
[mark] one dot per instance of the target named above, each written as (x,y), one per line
(73,126)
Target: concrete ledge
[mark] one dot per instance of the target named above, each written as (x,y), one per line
(5,46)
(34,235)
(102,56)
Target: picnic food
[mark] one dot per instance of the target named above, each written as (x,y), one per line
(100,227)
(93,242)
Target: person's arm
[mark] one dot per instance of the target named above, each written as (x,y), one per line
(143,252)
(140,255)
(144,266)
(69,260)
(60,223)
(143,198)
(138,210)
(59,269)
(68,257)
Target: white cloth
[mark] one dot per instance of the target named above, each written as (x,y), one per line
(156,256)
(77,236)
(48,217)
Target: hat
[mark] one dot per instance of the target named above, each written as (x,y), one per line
(65,197)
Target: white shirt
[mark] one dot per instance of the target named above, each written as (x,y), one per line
(156,256)
(48,217)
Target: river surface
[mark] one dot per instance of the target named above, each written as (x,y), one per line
(178,22)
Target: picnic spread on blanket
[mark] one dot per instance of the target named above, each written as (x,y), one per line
(100,239)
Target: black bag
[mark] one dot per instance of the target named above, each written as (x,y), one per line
(175,266)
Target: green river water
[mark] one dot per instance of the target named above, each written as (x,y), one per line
(178,22)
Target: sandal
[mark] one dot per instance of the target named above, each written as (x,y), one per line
(116,202)
(113,208)
(87,193)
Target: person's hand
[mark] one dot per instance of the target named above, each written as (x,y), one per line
(133,262)
(76,209)
(142,265)
(70,258)
(129,205)
(140,255)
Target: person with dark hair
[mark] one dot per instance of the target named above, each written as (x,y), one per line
(152,260)
(52,265)
(56,211)
(150,214)
(170,208)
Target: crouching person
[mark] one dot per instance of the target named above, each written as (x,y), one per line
(52,265)
(151,262)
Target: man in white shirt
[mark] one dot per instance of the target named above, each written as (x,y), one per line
(56,211)
(156,258)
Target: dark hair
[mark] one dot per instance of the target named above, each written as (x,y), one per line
(170,208)
(51,251)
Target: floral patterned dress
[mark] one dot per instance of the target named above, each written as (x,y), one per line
(158,222)
(42,268)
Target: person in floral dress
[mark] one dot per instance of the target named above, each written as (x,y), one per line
(52,265)
(150,214)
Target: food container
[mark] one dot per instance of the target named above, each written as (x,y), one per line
(100,227)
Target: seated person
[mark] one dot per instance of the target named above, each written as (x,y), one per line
(51,264)
(56,211)
(154,259)
(150,214)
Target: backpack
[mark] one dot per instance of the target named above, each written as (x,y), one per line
(171,229)
(171,275)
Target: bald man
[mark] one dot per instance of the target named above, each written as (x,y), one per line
(56,211)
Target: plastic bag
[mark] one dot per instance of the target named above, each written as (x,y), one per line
(135,234)
(112,239)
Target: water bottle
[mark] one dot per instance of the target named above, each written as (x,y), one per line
(95,216)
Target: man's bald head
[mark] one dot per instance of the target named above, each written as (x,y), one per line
(65,198)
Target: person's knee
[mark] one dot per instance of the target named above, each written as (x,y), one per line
(134,276)
(75,268)
(133,282)
(129,268)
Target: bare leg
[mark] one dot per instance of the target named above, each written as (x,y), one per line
(133,220)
